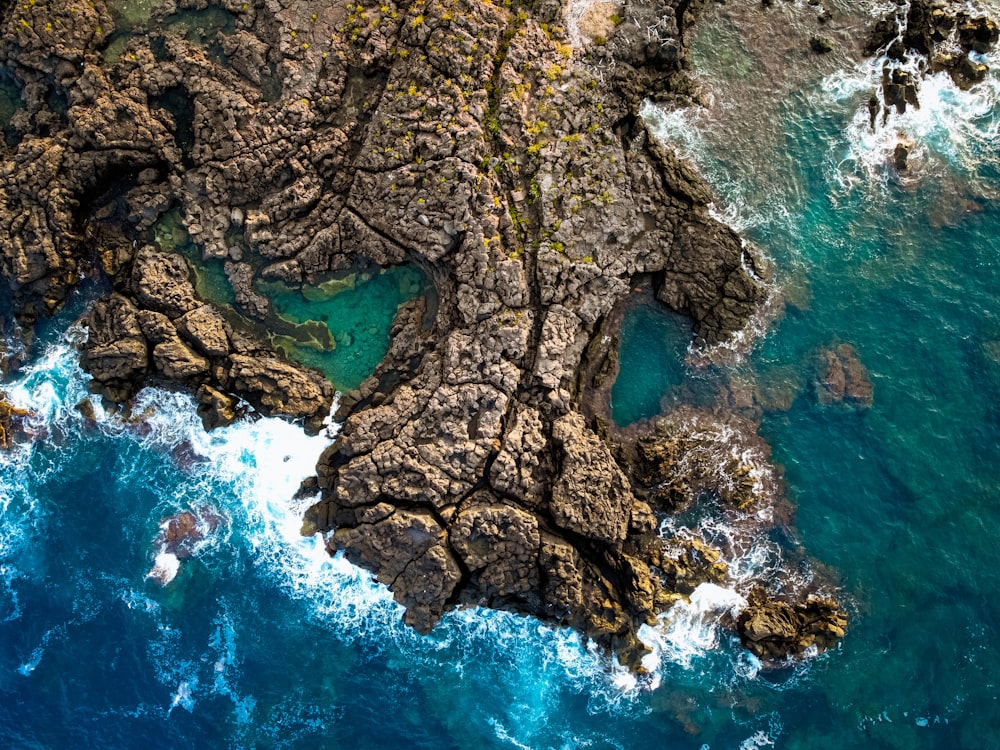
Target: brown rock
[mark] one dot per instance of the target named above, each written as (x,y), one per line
(205,328)
(215,408)
(591,497)
(407,551)
(499,545)
(277,387)
(176,361)
(843,379)
(161,282)
(116,353)
(776,630)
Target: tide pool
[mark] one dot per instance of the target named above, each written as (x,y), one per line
(341,326)
(653,343)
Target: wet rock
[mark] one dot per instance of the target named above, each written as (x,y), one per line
(277,387)
(901,155)
(693,455)
(821,44)
(116,353)
(966,72)
(464,137)
(945,33)
(11,423)
(215,408)
(775,630)
(406,550)
(842,378)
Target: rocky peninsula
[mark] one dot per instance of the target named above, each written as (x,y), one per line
(495,145)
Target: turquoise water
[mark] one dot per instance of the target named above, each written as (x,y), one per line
(653,343)
(341,326)
(263,641)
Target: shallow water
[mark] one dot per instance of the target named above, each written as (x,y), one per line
(264,641)
(652,348)
(344,322)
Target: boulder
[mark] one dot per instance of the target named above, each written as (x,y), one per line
(162,282)
(775,630)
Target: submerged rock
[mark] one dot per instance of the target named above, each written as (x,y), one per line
(841,378)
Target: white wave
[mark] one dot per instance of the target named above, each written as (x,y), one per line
(689,629)
(957,127)
(32,662)
(684,130)
(165,568)
(250,472)
(184,697)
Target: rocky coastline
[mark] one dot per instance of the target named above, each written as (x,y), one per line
(498,147)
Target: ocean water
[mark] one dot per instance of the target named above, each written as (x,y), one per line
(653,342)
(263,641)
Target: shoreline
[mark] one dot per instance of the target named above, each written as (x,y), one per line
(534,206)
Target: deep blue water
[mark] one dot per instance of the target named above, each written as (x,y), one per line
(263,641)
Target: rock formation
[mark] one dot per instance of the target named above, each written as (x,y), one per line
(771,629)
(483,142)
(949,35)
(841,378)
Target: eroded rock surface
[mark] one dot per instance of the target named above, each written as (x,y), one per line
(479,140)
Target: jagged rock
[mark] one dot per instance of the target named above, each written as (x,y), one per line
(116,353)
(240,276)
(821,44)
(162,282)
(775,630)
(406,551)
(500,546)
(278,387)
(943,32)
(176,361)
(11,417)
(693,455)
(215,408)
(591,496)
(901,155)
(205,328)
(464,137)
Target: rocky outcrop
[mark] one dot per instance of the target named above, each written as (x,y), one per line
(11,421)
(772,629)
(477,140)
(949,35)
(178,339)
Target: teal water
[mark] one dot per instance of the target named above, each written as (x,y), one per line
(653,343)
(341,326)
(262,641)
